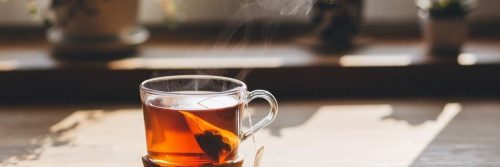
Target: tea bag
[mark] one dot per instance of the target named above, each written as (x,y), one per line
(217,143)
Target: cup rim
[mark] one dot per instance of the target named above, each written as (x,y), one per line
(238,89)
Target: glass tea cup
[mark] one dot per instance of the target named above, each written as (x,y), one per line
(196,120)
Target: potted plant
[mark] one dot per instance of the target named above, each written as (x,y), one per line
(337,21)
(444,24)
(92,29)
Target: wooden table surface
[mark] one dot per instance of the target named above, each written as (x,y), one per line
(368,132)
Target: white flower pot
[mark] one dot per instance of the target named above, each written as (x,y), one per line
(96,29)
(444,36)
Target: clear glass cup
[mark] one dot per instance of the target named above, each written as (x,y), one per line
(194,120)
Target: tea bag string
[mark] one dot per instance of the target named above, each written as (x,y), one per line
(251,125)
(260,151)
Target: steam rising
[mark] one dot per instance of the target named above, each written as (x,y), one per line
(267,13)
(242,20)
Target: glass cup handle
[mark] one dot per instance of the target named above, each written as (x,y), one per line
(269,118)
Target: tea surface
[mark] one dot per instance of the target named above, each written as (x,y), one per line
(192,130)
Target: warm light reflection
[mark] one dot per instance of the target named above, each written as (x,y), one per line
(382,108)
(8,65)
(467,59)
(119,133)
(375,60)
(197,62)
(346,132)
(361,130)
(75,119)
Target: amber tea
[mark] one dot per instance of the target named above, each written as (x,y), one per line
(195,120)
(192,130)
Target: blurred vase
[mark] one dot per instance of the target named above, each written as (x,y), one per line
(444,36)
(444,25)
(95,29)
(337,21)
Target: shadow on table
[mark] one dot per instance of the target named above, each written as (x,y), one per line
(297,114)
(470,139)
(415,114)
(290,115)
(26,131)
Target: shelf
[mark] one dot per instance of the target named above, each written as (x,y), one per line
(292,67)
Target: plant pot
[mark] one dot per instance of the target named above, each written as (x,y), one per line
(444,36)
(95,29)
(337,21)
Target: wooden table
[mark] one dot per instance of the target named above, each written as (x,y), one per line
(370,132)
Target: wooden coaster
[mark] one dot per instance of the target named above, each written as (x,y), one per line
(148,163)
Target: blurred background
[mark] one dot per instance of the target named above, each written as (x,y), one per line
(384,11)
(339,47)
(417,78)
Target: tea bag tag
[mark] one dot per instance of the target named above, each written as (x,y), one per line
(258,157)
